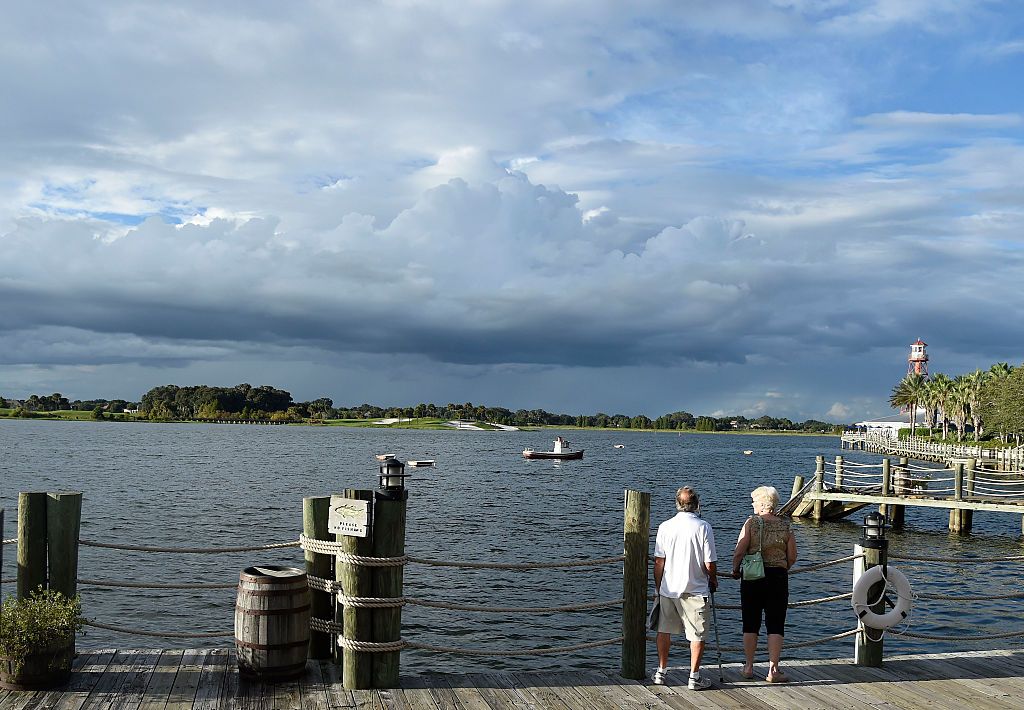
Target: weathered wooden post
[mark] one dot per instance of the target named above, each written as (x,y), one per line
(389,518)
(886,485)
(955,514)
(636,542)
(967,516)
(819,486)
(798,485)
(315,514)
(356,581)
(897,513)
(874,548)
(63,523)
(31,542)
(839,472)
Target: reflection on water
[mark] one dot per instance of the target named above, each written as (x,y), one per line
(203,485)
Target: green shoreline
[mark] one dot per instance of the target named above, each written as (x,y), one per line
(426,423)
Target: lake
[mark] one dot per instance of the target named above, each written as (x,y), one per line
(194,485)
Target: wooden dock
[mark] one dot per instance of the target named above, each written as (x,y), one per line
(208,679)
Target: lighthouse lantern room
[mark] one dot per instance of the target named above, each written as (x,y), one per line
(917,363)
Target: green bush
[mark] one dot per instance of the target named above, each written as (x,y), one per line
(44,620)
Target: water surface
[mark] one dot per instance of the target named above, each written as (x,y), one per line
(181,485)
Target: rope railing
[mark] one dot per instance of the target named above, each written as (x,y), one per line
(958,637)
(159,634)
(10,541)
(947,560)
(682,643)
(187,550)
(326,547)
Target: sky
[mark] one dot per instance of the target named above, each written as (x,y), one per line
(727,207)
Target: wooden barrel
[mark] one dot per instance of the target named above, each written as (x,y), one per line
(272,623)
(47,668)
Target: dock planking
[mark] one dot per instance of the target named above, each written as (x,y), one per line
(153,679)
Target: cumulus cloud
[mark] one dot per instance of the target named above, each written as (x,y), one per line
(725,201)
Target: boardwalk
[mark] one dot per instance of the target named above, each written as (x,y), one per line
(170,680)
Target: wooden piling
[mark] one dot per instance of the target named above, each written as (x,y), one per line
(819,486)
(897,513)
(315,513)
(956,515)
(967,516)
(63,523)
(636,542)
(798,485)
(31,542)
(886,486)
(868,648)
(389,518)
(357,622)
(839,471)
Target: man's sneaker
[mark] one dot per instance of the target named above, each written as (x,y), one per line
(698,682)
(659,676)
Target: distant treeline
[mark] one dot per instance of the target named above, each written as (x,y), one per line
(244,401)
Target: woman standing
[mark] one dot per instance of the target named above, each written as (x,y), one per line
(768,596)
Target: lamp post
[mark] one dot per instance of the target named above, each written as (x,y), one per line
(874,547)
(873,535)
(392,480)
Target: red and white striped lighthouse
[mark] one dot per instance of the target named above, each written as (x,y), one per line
(917,363)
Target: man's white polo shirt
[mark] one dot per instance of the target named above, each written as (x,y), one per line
(687,543)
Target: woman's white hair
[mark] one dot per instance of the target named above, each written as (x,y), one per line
(766,495)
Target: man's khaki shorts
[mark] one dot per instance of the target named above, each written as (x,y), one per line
(687,613)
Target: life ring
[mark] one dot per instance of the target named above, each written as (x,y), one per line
(904,597)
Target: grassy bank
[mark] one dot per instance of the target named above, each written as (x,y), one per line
(426,423)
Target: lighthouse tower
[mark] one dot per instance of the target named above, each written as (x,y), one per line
(917,363)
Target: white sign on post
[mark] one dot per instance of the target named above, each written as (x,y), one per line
(348,516)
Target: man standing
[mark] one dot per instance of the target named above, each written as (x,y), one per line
(684,576)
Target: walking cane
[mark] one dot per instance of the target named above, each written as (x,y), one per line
(718,644)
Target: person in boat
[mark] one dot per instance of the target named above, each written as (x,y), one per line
(768,596)
(684,576)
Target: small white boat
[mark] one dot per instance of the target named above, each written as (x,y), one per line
(747,452)
(421,462)
(620,446)
(562,450)
(384,457)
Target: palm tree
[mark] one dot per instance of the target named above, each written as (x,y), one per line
(942,386)
(908,394)
(960,407)
(976,385)
(1000,371)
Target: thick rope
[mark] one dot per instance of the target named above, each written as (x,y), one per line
(535,565)
(509,609)
(790,605)
(739,649)
(371,646)
(980,598)
(371,602)
(325,626)
(326,547)
(521,652)
(331,587)
(915,558)
(189,550)
(9,581)
(9,542)
(163,634)
(332,627)
(154,585)
(820,565)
